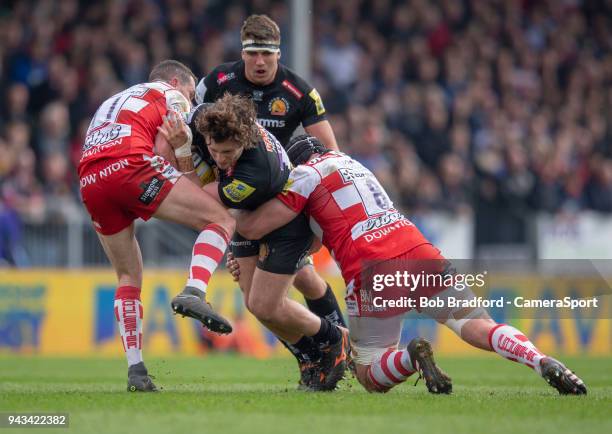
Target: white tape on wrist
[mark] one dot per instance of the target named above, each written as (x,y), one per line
(185,149)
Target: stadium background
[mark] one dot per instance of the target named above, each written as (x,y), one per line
(487,121)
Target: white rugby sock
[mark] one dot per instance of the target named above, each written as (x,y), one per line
(129,313)
(512,344)
(393,368)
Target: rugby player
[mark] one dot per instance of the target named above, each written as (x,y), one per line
(252,168)
(283,101)
(122,179)
(343,201)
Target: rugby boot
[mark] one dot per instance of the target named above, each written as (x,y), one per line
(309,375)
(139,379)
(192,303)
(561,378)
(333,363)
(350,362)
(422,358)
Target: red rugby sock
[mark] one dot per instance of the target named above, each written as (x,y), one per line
(393,368)
(207,252)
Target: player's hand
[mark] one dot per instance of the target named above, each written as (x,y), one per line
(174,130)
(232,266)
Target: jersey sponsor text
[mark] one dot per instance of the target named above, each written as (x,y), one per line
(271,123)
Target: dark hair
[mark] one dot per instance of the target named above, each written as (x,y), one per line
(166,70)
(260,28)
(233,117)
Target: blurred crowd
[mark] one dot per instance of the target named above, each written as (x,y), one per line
(469,104)
(457,105)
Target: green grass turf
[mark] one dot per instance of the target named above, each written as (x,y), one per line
(227,394)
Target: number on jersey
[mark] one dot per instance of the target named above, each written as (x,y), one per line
(368,190)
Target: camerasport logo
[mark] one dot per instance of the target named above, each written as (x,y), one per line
(222,77)
(278,106)
(151,190)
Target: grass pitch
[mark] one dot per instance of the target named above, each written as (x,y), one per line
(227,394)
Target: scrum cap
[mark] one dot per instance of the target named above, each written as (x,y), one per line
(300,148)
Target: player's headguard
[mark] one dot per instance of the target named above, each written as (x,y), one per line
(200,108)
(300,148)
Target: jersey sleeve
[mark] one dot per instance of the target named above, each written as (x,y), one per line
(203,169)
(200,91)
(313,108)
(301,183)
(157,98)
(207,89)
(198,141)
(203,164)
(243,190)
(311,105)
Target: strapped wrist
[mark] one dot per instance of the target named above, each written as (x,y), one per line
(185,149)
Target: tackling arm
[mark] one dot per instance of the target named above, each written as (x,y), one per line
(164,149)
(323,131)
(270,216)
(173,142)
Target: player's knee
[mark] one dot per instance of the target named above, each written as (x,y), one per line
(224,221)
(309,283)
(228,223)
(367,384)
(263,309)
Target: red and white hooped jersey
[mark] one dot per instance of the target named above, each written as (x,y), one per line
(126,123)
(350,212)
